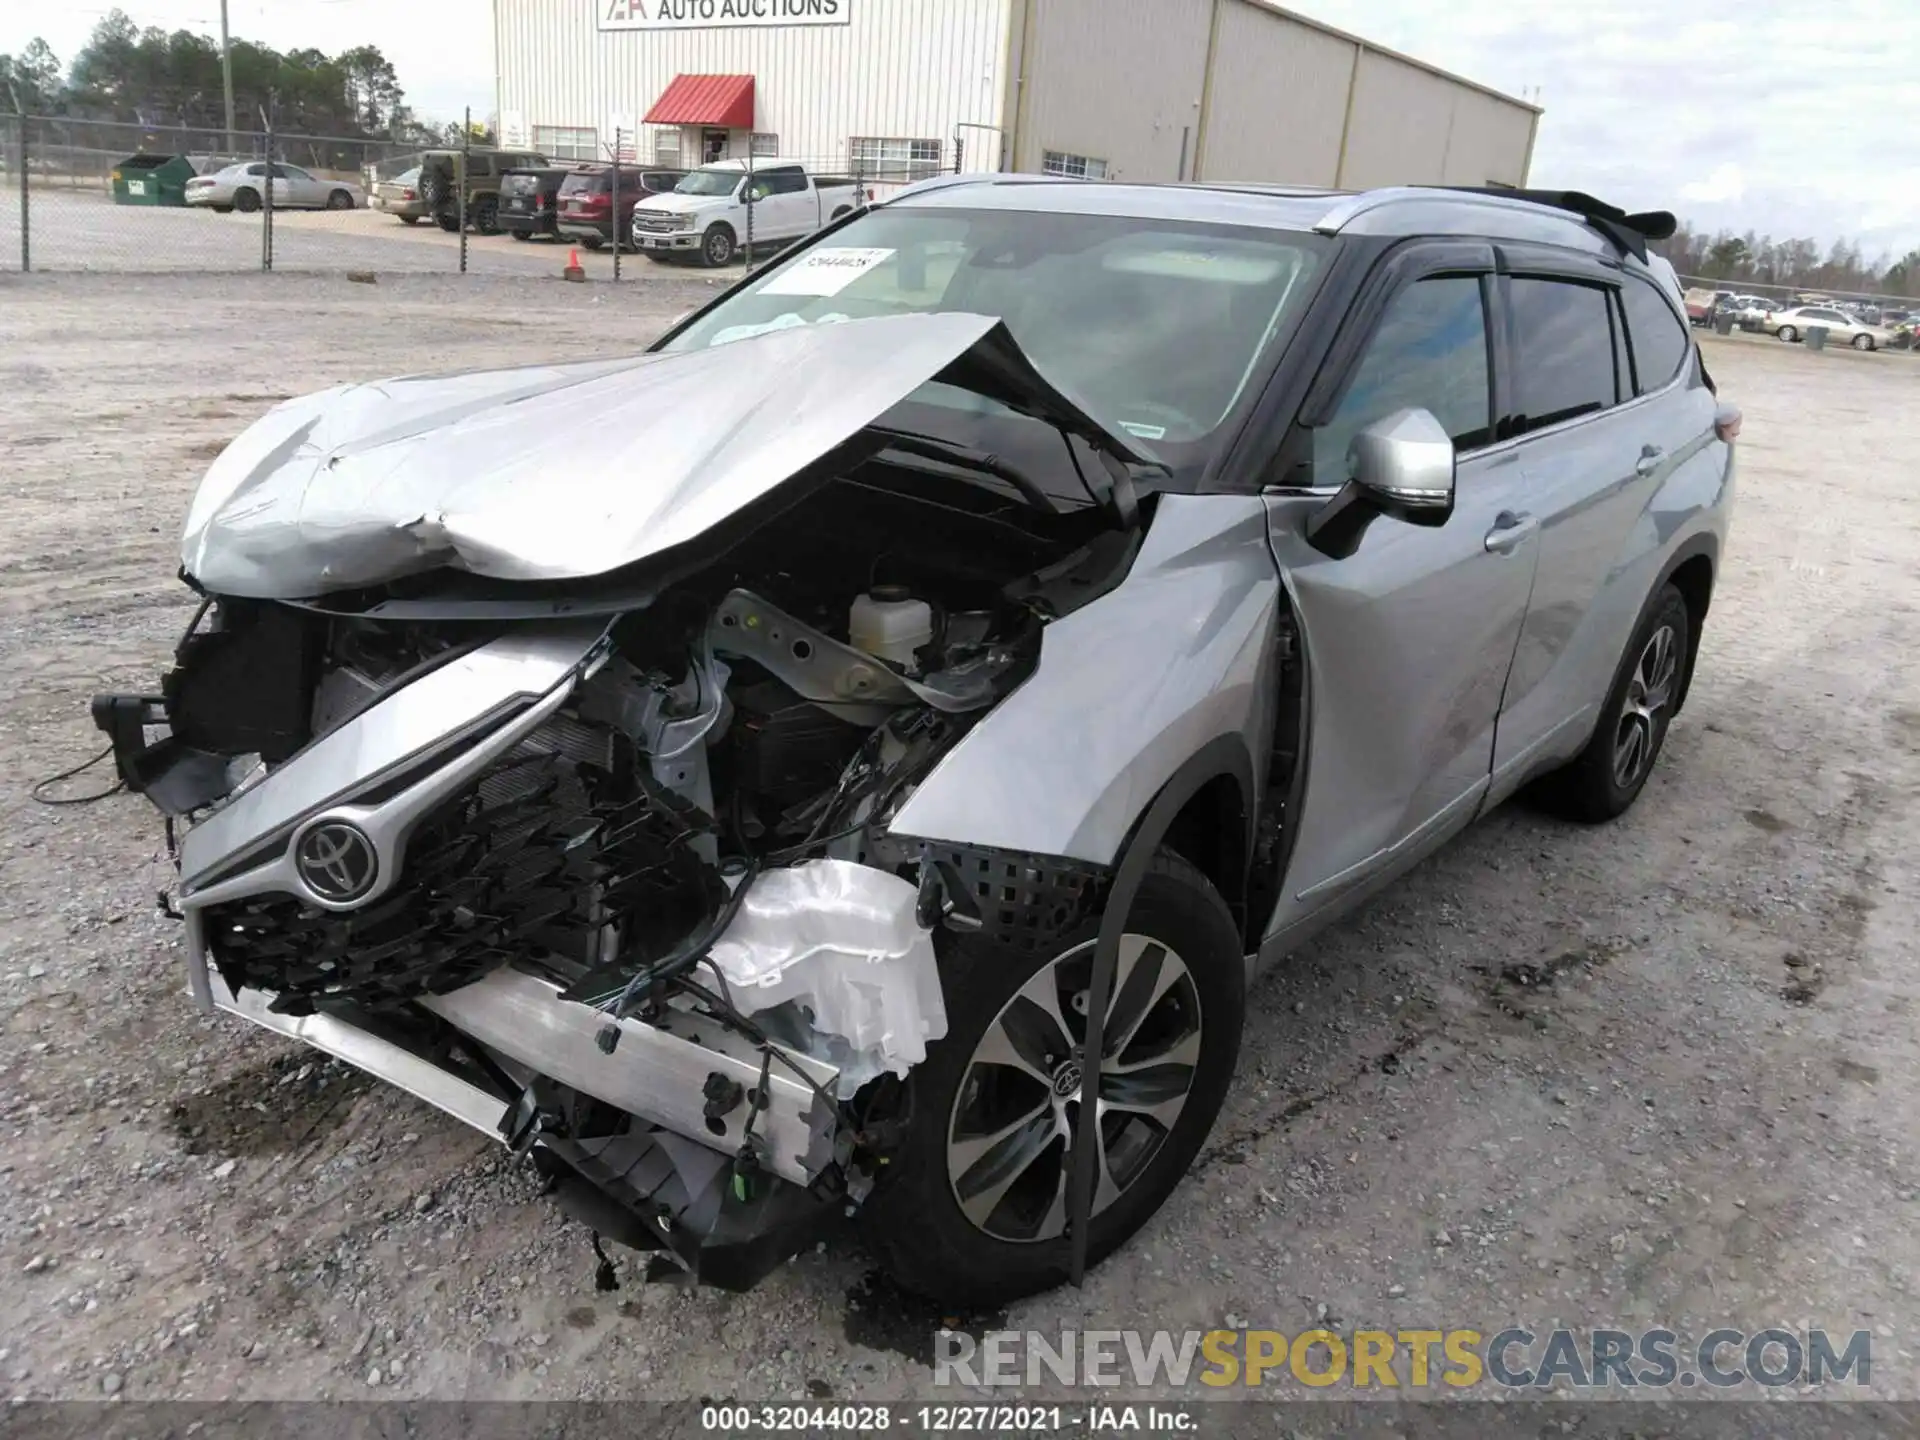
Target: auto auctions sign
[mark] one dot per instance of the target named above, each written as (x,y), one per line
(713,14)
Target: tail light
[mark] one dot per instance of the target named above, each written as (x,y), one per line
(408,195)
(1726,423)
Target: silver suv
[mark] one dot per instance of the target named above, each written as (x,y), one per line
(999,627)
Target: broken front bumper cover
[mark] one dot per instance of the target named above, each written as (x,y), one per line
(652,1186)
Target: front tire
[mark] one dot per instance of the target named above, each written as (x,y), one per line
(1608,776)
(717,247)
(970,1210)
(1789,334)
(340,200)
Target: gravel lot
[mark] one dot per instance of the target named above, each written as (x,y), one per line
(1659,1072)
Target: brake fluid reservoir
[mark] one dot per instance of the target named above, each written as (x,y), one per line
(890,623)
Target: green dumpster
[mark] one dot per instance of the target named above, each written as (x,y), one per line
(152,180)
(1816,337)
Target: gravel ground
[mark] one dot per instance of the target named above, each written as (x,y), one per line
(1660,1072)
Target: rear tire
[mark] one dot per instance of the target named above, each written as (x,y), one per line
(449,221)
(409,219)
(1608,776)
(246,201)
(1863,342)
(593,242)
(221,209)
(486,216)
(1183,1045)
(521,234)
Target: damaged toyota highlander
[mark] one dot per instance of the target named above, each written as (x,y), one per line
(1017,612)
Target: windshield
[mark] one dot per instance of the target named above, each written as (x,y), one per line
(709,182)
(1154,327)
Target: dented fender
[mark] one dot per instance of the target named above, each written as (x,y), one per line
(1128,688)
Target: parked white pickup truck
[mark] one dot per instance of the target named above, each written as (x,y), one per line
(706,213)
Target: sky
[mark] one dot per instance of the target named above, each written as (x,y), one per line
(1792,117)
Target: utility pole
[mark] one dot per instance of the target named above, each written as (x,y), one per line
(226,73)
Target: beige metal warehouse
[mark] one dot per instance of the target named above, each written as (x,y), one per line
(1218,90)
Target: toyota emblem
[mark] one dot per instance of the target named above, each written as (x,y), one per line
(337,861)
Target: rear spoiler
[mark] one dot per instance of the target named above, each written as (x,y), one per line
(1628,234)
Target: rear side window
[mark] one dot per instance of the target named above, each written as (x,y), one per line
(1564,342)
(1659,340)
(589,184)
(1429,353)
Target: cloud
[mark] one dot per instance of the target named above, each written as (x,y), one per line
(1792,121)
(1725,184)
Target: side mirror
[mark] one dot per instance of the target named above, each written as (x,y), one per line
(1401,465)
(1404,463)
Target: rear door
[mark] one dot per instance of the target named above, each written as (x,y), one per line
(1592,454)
(790,208)
(1409,637)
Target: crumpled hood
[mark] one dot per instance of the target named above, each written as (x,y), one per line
(562,471)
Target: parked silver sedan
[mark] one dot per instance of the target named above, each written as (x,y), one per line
(242,187)
(1841,328)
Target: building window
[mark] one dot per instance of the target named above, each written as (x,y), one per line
(566,142)
(766,144)
(1080,167)
(889,158)
(666,148)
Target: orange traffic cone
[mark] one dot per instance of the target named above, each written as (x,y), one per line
(574,270)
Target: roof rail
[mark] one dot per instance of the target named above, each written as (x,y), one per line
(1623,233)
(1629,233)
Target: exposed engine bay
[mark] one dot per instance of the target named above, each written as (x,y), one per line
(648,910)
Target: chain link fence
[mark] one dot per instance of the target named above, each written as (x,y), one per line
(96,196)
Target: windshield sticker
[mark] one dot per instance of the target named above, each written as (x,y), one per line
(825,272)
(1145,432)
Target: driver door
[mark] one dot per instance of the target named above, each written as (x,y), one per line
(1410,636)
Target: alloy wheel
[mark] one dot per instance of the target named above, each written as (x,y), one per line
(1648,694)
(1017,1115)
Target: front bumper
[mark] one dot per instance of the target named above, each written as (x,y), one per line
(681,240)
(507,1053)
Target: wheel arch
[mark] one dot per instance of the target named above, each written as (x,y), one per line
(1210,821)
(1691,572)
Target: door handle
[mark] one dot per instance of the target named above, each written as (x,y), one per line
(1649,461)
(1508,531)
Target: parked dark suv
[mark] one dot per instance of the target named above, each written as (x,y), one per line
(530,200)
(586,201)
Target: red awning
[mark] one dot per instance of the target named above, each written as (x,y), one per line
(725,100)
